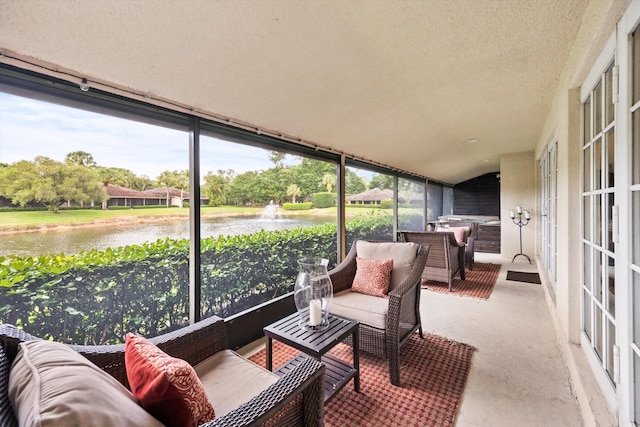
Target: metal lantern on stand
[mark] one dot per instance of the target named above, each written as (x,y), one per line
(313,294)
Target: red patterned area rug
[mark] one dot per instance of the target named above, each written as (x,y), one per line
(479,282)
(433,375)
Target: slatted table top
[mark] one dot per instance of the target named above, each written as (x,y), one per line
(314,343)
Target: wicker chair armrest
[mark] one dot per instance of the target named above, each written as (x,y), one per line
(452,239)
(404,296)
(342,275)
(11,337)
(471,242)
(415,275)
(303,386)
(193,343)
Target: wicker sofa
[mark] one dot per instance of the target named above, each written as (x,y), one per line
(295,399)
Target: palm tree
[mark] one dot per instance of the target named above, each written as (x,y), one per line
(329,180)
(182,179)
(294,191)
(81,158)
(165,179)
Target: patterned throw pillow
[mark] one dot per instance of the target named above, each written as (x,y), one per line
(373,276)
(167,387)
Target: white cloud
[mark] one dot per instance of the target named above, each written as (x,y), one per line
(31,128)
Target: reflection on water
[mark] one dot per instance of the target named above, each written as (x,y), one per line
(74,240)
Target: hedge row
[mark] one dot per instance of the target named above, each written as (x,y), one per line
(297,206)
(95,297)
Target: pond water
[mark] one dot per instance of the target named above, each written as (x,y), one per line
(74,240)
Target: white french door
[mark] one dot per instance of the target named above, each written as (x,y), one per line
(548,200)
(611,218)
(630,353)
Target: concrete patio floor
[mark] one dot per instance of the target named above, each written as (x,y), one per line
(518,376)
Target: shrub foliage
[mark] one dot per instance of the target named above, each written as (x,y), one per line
(297,206)
(324,200)
(96,297)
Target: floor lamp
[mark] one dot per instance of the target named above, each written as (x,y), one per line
(527,216)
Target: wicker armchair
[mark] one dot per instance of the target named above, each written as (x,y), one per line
(296,399)
(402,310)
(470,237)
(446,255)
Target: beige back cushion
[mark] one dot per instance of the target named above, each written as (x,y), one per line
(403,255)
(52,385)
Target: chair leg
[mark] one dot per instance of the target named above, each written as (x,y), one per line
(394,366)
(420,331)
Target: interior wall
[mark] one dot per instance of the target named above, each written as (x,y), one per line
(517,187)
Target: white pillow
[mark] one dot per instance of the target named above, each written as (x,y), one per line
(52,385)
(402,253)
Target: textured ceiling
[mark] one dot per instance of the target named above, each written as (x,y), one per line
(403,83)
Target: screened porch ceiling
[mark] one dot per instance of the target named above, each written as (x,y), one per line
(401,83)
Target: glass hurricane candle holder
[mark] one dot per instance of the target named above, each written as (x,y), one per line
(313,294)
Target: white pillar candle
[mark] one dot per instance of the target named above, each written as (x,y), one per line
(519,209)
(512,214)
(315,312)
(527,215)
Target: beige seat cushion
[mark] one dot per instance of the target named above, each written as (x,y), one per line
(403,255)
(52,385)
(231,380)
(366,309)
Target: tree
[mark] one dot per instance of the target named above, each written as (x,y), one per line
(119,176)
(293,191)
(82,184)
(81,158)
(329,180)
(245,188)
(308,176)
(227,174)
(214,188)
(277,157)
(49,183)
(381,181)
(353,184)
(165,179)
(181,181)
(274,185)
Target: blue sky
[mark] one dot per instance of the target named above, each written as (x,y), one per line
(30,128)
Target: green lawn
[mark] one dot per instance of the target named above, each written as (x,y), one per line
(22,220)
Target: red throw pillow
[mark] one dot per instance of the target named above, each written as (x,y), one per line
(373,276)
(167,387)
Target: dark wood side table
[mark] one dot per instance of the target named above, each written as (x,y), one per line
(316,344)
